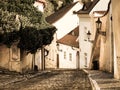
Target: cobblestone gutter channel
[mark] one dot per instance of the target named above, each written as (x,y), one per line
(48,80)
(93,83)
(8,78)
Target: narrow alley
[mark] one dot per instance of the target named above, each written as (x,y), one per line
(51,80)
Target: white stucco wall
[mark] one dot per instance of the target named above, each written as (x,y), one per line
(68,22)
(66,62)
(51,58)
(38,60)
(84,44)
(64,25)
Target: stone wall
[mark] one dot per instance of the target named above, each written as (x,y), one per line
(4,57)
(11,59)
(116,35)
(106,46)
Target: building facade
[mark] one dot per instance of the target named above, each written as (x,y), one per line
(65,21)
(116,32)
(68,50)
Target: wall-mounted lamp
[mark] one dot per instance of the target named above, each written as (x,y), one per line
(98,27)
(58,47)
(88,36)
(46,52)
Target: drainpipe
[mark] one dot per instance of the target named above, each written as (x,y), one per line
(33,62)
(112,43)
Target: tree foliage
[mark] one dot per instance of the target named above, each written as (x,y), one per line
(33,41)
(58,4)
(48,35)
(35,38)
(22,23)
(10,38)
(8,21)
(26,9)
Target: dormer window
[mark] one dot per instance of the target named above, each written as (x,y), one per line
(73,33)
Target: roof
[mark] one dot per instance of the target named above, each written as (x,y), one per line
(99,13)
(60,13)
(87,7)
(70,38)
(76,31)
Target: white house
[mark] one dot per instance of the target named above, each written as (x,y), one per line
(87,27)
(69,50)
(65,21)
(107,48)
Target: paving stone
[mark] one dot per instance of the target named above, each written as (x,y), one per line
(104,80)
(54,80)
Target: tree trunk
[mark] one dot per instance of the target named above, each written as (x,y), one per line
(43,58)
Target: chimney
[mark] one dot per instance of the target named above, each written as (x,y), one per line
(40,5)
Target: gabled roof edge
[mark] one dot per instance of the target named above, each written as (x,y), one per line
(87,11)
(60,13)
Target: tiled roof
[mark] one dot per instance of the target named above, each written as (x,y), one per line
(76,31)
(60,13)
(70,39)
(87,7)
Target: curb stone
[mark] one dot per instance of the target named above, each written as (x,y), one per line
(93,83)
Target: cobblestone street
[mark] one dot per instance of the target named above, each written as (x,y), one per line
(52,80)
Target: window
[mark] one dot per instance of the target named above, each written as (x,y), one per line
(85,35)
(85,55)
(73,33)
(64,55)
(70,56)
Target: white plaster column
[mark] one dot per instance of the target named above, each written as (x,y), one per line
(84,44)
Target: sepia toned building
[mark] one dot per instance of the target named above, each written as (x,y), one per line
(65,22)
(115,29)
(68,50)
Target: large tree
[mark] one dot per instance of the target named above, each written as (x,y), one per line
(21,22)
(58,4)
